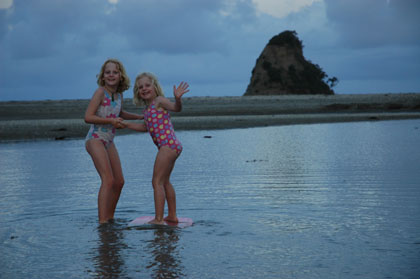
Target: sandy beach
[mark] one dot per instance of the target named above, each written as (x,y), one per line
(63,119)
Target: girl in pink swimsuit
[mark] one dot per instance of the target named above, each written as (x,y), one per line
(160,127)
(147,91)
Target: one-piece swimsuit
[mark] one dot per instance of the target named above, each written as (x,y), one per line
(159,125)
(107,109)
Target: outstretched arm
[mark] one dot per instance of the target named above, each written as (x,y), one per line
(178,93)
(128,115)
(139,127)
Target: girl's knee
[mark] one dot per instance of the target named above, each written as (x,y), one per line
(107,180)
(111,182)
(119,183)
(157,184)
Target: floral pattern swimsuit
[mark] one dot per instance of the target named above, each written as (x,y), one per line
(108,109)
(159,125)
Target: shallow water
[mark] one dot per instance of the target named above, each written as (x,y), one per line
(304,201)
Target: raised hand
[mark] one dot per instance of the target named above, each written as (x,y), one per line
(181,90)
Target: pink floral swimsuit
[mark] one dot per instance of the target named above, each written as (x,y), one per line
(159,125)
(108,109)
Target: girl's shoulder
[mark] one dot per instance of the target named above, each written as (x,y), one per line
(97,98)
(160,101)
(99,94)
(100,91)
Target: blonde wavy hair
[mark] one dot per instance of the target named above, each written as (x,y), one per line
(137,100)
(125,80)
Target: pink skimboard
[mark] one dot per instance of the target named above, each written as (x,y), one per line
(183,222)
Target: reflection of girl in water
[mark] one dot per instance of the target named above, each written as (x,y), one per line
(108,261)
(166,260)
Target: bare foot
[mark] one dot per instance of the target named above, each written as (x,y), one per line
(171,219)
(156,222)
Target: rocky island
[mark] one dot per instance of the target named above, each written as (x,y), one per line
(282,69)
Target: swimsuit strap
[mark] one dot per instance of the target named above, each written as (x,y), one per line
(110,95)
(153,103)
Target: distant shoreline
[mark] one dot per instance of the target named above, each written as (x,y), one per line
(63,119)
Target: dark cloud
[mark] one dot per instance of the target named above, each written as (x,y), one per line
(173,27)
(3,23)
(54,44)
(39,29)
(375,23)
(377,45)
(53,49)
(46,27)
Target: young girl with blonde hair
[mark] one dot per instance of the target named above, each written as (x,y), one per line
(105,114)
(147,91)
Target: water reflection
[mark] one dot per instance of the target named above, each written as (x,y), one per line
(165,262)
(109,262)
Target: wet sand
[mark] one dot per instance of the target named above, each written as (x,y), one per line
(63,119)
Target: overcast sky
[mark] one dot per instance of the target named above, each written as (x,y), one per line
(53,49)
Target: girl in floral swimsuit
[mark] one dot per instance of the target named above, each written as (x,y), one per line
(157,122)
(105,114)
(109,109)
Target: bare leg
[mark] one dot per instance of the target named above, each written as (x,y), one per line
(165,160)
(171,199)
(118,176)
(103,165)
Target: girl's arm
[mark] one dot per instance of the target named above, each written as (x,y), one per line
(139,127)
(178,93)
(128,115)
(90,114)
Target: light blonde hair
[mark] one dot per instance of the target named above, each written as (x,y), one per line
(125,80)
(137,100)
